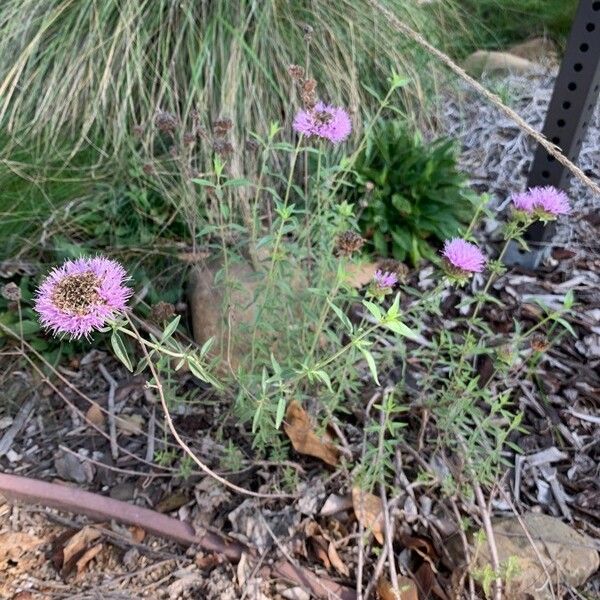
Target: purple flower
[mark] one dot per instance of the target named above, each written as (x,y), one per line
(82,295)
(384,280)
(550,200)
(547,200)
(523,202)
(327,122)
(464,256)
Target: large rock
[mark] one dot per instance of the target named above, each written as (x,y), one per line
(223,310)
(540,50)
(497,63)
(568,556)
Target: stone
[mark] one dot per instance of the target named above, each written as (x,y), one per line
(497,63)
(568,556)
(228,320)
(540,50)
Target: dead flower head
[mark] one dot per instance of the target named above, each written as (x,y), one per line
(348,243)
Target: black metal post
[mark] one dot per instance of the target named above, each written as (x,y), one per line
(571,107)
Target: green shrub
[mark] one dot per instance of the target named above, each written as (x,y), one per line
(413,194)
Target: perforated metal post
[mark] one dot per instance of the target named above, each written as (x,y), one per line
(571,107)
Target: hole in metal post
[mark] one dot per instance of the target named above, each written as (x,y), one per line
(572,86)
(561,122)
(545,174)
(566,105)
(550,158)
(584,47)
(556,140)
(577,67)
(596,6)
(590,27)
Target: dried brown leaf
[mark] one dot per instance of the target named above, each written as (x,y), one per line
(79,542)
(338,564)
(406,586)
(130,424)
(369,511)
(137,534)
(95,416)
(299,429)
(87,557)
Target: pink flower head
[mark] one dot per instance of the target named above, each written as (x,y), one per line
(327,122)
(550,200)
(82,295)
(547,200)
(523,202)
(464,256)
(384,280)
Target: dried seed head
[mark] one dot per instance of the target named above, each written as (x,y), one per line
(309,94)
(138,131)
(297,73)
(348,243)
(540,343)
(223,148)
(189,138)
(148,169)
(251,145)
(74,294)
(173,151)
(162,311)
(221,127)
(307,30)
(165,121)
(11,292)
(394,266)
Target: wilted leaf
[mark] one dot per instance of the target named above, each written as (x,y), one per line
(369,512)
(137,534)
(406,586)
(298,428)
(338,564)
(79,542)
(130,424)
(87,557)
(324,548)
(95,416)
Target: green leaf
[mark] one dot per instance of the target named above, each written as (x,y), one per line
(240,182)
(569,300)
(120,351)
(402,329)
(371,362)
(341,316)
(374,310)
(204,182)
(170,329)
(281,404)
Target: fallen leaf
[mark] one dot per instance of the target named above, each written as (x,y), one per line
(172,502)
(87,557)
(335,504)
(79,542)
(406,586)
(359,275)
(369,512)
(95,416)
(137,534)
(298,428)
(130,424)
(338,564)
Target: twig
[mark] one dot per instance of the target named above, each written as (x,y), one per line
(465,544)
(388,523)
(150,435)
(22,416)
(491,540)
(112,426)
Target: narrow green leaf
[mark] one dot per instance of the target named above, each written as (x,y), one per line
(170,329)
(280,412)
(120,351)
(371,362)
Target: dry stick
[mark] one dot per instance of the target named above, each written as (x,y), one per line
(491,540)
(112,426)
(361,527)
(388,523)
(184,446)
(465,544)
(493,98)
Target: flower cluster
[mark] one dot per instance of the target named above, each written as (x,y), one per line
(323,121)
(462,259)
(82,295)
(545,202)
(382,284)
